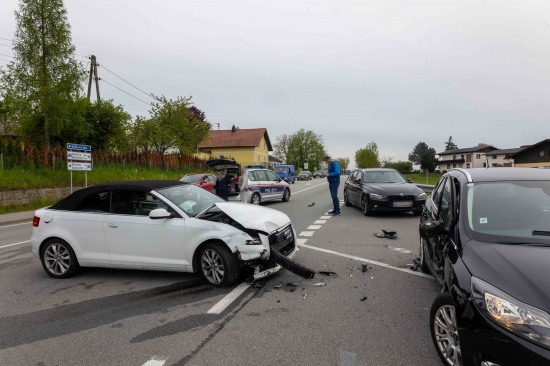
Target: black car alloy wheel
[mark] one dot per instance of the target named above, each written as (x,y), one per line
(365,206)
(444,330)
(58,258)
(346,199)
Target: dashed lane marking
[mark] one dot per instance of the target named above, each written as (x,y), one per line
(156,361)
(314,227)
(365,260)
(307,233)
(11,245)
(325,217)
(320,222)
(301,241)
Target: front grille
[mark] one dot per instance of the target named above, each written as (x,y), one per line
(283,240)
(401,198)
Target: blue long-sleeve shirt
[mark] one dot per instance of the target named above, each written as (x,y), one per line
(334,172)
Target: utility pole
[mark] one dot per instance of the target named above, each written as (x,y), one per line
(93,70)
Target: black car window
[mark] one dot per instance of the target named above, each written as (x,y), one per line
(129,202)
(437,192)
(95,202)
(143,205)
(446,206)
(353,176)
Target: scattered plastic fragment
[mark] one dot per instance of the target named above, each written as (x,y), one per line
(350,275)
(386,234)
(312,204)
(293,284)
(364,268)
(303,298)
(372,278)
(292,289)
(327,273)
(363,298)
(278,286)
(320,284)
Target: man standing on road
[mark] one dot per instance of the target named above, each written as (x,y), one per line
(333,177)
(243,185)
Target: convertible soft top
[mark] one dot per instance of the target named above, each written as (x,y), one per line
(73,200)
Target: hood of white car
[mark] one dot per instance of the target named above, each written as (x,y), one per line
(254,217)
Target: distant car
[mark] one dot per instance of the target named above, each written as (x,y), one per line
(375,190)
(166,226)
(204,180)
(485,237)
(318,174)
(263,184)
(305,175)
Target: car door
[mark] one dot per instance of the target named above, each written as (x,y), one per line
(355,189)
(444,201)
(277,189)
(137,241)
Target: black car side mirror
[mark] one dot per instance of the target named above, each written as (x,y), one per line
(357,181)
(432,228)
(410,180)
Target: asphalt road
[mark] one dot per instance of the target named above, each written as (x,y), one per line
(115,317)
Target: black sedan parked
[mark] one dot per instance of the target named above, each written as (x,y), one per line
(382,190)
(485,236)
(305,175)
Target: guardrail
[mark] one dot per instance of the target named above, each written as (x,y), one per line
(428,188)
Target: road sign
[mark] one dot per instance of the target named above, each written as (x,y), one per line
(78,155)
(79,147)
(72,165)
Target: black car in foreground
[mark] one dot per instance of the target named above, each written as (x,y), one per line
(382,190)
(485,236)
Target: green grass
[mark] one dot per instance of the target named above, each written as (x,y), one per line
(421,179)
(16,179)
(36,204)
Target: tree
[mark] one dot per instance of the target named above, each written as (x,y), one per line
(280,148)
(44,76)
(344,163)
(305,147)
(367,157)
(196,130)
(403,167)
(424,156)
(450,145)
(172,125)
(108,125)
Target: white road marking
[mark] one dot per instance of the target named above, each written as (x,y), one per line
(367,261)
(228,299)
(307,233)
(314,227)
(23,223)
(301,241)
(325,217)
(156,361)
(320,222)
(318,185)
(11,245)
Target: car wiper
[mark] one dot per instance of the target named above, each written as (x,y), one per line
(540,233)
(509,242)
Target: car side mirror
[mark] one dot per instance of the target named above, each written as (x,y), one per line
(410,180)
(159,213)
(432,228)
(357,181)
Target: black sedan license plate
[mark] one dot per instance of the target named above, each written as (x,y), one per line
(402,203)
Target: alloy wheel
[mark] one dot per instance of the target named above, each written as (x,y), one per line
(212,266)
(256,199)
(57,259)
(446,335)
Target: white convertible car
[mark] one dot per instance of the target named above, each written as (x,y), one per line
(163,225)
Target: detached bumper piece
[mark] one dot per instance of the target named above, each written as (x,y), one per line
(290,265)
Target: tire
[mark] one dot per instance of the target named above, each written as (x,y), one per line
(286,195)
(58,259)
(218,266)
(444,330)
(256,199)
(422,255)
(365,206)
(346,199)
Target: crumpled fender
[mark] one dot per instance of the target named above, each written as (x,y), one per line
(247,252)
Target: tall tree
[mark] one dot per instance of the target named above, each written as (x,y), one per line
(424,156)
(367,157)
(450,145)
(196,127)
(344,162)
(172,125)
(280,147)
(109,125)
(305,147)
(44,76)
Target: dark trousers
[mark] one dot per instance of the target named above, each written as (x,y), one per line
(333,186)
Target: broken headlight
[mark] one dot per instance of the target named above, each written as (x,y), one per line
(521,319)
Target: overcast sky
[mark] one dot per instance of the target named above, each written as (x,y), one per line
(392,72)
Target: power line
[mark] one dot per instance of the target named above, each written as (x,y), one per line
(86,57)
(106,69)
(6,39)
(114,86)
(6,55)
(3,59)
(6,45)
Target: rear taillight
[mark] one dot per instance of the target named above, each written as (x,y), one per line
(35,221)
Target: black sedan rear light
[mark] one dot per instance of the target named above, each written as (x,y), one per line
(35,221)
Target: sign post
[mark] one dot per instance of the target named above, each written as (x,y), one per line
(79,157)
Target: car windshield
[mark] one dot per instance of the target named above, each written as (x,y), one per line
(279,169)
(191,178)
(508,211)
(190,198)
(384,177)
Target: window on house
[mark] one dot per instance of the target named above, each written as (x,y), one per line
(454,165)
(454,157)
(485,165)
(494,157)
(462,156)
(541,153)
(448,166)
(468,165)
(478,156)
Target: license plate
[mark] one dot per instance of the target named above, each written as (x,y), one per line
(402,203)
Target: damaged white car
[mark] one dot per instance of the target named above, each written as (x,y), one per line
(166,226)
